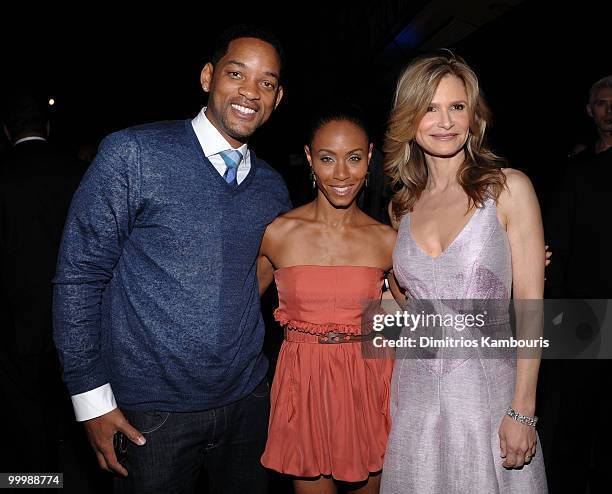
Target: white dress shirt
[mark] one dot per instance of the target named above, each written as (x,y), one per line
(99,401)
(31,138)
(213,142)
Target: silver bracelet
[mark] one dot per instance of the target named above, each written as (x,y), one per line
(523,419)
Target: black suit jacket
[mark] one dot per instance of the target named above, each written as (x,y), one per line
(36,186)
(578,229)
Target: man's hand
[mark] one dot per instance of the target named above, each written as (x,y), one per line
(101,431)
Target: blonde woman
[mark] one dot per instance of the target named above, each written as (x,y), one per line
(467,229)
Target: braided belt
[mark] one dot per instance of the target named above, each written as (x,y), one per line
(333,337)
(329,338)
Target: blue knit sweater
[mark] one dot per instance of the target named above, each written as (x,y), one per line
(156,289)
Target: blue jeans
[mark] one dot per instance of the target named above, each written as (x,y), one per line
(227,441)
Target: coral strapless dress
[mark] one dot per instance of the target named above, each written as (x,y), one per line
(329,405)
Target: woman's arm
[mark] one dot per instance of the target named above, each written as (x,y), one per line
(265,273)
(519,208)
(395,290)
(526,236)
(271,250)
(265,267)
(386,241)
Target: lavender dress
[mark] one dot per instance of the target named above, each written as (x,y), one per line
(446,412)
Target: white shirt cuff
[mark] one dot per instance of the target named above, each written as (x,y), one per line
(94,403)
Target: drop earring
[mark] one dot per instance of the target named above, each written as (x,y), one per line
(367,177)
(313,178)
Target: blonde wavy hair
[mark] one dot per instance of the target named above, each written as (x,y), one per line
(480,175)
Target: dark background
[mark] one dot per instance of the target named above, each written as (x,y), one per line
(111,66)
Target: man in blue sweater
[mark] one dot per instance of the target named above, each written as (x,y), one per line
(156,306)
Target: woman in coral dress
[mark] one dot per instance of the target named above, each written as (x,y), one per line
(329,417)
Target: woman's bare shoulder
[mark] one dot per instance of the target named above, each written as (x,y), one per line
(516,179)
(288,221)
(518,199)
(518,186)
(383,233)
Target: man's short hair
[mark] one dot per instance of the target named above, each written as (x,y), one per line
(246,31)
(24,113)
(601,83)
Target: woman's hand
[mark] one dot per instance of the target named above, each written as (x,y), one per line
(547,254)
(517,443)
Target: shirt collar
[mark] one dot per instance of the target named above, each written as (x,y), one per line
(210,138)
(31,138)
